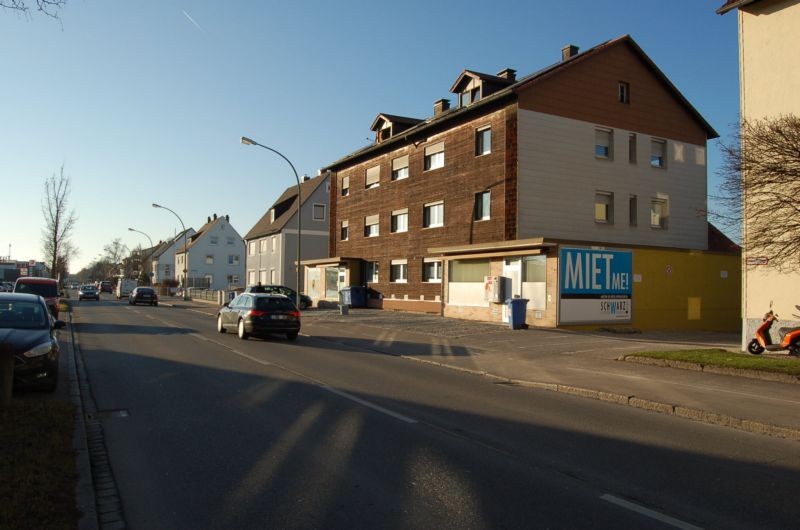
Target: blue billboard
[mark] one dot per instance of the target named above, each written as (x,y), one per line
(595,285)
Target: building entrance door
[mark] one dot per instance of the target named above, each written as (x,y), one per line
(512,281)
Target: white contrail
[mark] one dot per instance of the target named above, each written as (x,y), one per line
(187,15)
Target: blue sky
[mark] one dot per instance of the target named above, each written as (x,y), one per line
(145,101)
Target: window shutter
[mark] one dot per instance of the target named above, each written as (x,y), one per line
(399,163)
(373,175)
(435,148)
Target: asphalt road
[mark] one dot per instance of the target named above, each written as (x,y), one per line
(221,433)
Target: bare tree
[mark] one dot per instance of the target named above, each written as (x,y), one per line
(59,221)
(114,254)
(760,189)
(48,7)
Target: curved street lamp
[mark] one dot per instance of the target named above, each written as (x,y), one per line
(185,252)
(152,250)
(247,141)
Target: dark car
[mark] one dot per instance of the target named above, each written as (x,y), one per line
(143,295)
(47,288)
(260,314)
(28,329)
(88,292)
(305,301)
(106,287)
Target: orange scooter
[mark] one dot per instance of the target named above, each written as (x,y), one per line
(790,337)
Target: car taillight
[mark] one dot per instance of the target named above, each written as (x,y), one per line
(295,314)
(257,313)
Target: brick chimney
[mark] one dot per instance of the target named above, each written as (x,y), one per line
(508,73)
(569,51)
(441,105)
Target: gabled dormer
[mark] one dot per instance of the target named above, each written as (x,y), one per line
(474,86)
(388,125)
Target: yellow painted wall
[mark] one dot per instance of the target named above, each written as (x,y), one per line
(689,290)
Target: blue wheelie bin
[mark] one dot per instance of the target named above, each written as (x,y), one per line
(516,312)
(358,296)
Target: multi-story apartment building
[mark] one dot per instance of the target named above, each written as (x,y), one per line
(272,242)
(769,74)
(215,257)
(478,203)
(163,259)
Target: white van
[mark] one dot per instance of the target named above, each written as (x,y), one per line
(124,287)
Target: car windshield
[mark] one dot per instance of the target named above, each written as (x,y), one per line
(144,290)
(269,303)
(47,290)
(23,315)
(87,288)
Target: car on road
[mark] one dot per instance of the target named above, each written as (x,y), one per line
(106,287)
(305,301)
(88,292)
(28,329)
(47,288)
(260,314)
(143,295)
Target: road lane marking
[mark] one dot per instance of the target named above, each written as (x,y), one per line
(368,404)
(677,523)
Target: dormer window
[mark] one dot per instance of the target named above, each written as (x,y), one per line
(470,96)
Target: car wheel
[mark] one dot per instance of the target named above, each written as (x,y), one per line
(220,327)
(242,333)
(291,336)
(155,304)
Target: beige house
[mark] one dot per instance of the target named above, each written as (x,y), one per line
(769,70)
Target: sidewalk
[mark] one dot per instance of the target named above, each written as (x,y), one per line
(578,363)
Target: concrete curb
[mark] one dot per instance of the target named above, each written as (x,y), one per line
(682,365)
(670,409)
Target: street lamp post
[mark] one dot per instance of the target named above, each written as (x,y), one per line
(185,253)
(247,141)
(152,249)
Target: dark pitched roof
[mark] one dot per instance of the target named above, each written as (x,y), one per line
(197,235)
(472,74)
(733,4)
(164,245)
(514,88)
(720,242)
(394,119)
(287,203)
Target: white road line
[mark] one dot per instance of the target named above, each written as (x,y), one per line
(677,523)
(373,406)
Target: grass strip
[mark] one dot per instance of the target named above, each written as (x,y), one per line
(724,358)
(37,465)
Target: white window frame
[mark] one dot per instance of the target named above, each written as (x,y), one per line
(345,186)
(398,271)
(483,141)
(262,246)
(251,248)
(436,277)
(234,259)
(372,272)
(434,157)
(209,259)
(274,243)
(316,208)
(344,231)
(659,213)
(396,227)
(603,143)
(481,213)
(658,162)
(400,168)
(368,226)
(428,221)
(372,177)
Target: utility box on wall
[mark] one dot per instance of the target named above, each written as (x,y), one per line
(493,289)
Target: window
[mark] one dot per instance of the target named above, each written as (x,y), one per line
(400,221)
(624,92)
(251,248)
(274,241)
(251,278)
(166,271)
(319,212)
(345,186)
(272,215)
(345,231)
(469,271)
(230,241)
(659,212)
(262,276)
(372,272)
(603,207)
(602,143)
(210,259)
(233,259)
(632,148)
(214,240)
(483,201)
(373,179)
(434,156)
(400,168)
(233,279)
(371,226)
(483,141)
(658,149)
(273,279)
(433,215)
(262,246)
(469,96)
(632,211)
(398,273)
(432,270)
(209,279)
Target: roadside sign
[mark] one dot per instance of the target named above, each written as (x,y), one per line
(595,285)
(757,260)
